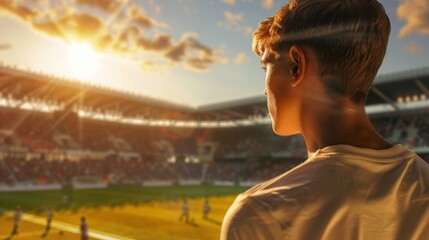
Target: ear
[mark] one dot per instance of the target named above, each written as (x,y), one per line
(298,65)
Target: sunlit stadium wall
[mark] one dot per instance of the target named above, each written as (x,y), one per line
(403,103)
(41,105)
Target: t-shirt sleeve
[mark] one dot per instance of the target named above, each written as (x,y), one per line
(247,220)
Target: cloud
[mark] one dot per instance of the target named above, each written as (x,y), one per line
(155,67)
(199,63)
(187,44)
(416,15)
(22,12)
(195,55)
(177,52)
(125,30)
(233,22)
(233,18)
(157,9)
(73,27)
(5,46)
(108,6)
(40,1)
(268,4)
(138,16)
(104,43)
(413,48)
(229,2)
(160,42)
(240,58)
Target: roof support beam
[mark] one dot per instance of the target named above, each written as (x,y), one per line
(385,98)
(234,113)
(422,87)
(220,116)
(6,76)
(4,81)
(131,110)
(44,90)
(260,109)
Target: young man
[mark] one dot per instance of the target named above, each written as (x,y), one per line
(321,57)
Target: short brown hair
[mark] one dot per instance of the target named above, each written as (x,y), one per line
(349,38)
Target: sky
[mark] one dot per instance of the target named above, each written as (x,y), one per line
(190,52)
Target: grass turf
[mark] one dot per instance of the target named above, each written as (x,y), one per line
(112,196)
(133,212)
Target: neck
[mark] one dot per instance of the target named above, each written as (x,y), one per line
(342,122)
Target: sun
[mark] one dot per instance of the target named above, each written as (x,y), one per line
(82,60)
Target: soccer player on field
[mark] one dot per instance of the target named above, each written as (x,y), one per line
(321,57)
(185,211)
(49,216)
(16,220)
(83,229)
(65,200)
(206,209)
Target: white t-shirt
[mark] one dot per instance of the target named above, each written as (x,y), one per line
(185,209)
(16,217)
(49,215)
(340,192)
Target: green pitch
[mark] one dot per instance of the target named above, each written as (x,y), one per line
(121,212)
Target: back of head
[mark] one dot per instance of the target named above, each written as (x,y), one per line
(349,38)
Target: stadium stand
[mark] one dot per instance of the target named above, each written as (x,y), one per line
(56,131)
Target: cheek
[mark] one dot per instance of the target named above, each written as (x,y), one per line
(271,104)
(275,90)
(279,104)
(274,103)
(276,108)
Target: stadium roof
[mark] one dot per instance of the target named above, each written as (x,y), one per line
(386,88)
(389,90)
(14,73)
(32,84)
(387,95)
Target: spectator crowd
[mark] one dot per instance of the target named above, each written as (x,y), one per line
(34,147)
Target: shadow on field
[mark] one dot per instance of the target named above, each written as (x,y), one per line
(211,220)
(12,234)
(192,223)
(10,237)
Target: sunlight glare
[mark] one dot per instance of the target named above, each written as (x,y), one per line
(82,60)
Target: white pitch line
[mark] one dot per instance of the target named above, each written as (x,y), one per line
(72,228)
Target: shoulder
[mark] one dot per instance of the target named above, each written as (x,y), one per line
(283,197)
(314,176)
(248,219)
(274,205)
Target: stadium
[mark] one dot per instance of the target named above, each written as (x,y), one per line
(147,120)
(127,162)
